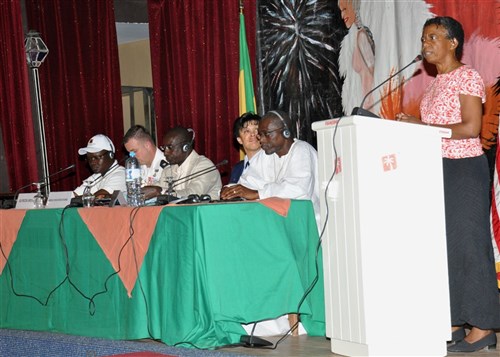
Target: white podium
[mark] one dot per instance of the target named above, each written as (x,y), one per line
(384,248)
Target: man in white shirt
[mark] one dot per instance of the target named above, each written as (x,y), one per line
(188,173)
(285,167)
(108,175)
(138,140)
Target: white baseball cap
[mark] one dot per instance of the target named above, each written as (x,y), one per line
(98,143)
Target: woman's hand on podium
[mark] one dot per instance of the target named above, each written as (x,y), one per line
(409,119)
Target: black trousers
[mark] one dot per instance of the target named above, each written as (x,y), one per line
(474,293)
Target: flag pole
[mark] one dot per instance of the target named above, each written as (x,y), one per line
(242,152)
(246,96)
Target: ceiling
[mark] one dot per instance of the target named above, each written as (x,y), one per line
(127,32)
(131,18)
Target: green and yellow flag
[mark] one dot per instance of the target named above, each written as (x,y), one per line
(245,81)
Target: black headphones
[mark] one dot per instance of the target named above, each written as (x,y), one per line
(286,132)
(186,147)
(112,152)
(194,198)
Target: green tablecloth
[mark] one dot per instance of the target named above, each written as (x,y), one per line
(208,269)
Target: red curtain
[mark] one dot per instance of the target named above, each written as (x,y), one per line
(195,65)
(15,114)
(80,79)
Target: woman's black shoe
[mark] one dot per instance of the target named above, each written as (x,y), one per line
(488,341)
(456,336)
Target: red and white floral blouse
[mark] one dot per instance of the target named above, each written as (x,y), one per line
(441,105)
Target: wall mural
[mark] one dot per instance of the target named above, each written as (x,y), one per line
(383,38)
(318,59)
(298,47)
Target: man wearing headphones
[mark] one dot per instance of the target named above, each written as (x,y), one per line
(189,173)
(285,167)
(108,175)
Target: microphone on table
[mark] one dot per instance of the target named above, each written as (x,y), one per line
(164,163)
(360,111)
(98,179)
(164,199)
(77,201)
(41,183)
(169,197)
(198,173)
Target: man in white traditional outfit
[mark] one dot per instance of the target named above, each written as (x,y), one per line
(151,159)
(285,167)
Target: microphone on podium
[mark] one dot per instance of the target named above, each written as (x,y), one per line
(360,111)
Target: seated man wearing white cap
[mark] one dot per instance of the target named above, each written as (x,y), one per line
(108,175)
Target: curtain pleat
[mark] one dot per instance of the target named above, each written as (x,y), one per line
(15,115)
(195,66)
(80,79)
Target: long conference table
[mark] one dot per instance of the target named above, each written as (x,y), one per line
(188,275)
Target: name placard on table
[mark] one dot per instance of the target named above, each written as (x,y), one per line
(25,201)
(56,200)
(59,199)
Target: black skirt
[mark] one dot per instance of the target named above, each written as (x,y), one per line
(474,296)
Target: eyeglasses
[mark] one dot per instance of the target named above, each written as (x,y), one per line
(95,157)
(268,134)
(171,147)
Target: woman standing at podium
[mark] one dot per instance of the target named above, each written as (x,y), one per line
(454,100)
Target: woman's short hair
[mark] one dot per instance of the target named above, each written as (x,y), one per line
(454,29)
(242,122)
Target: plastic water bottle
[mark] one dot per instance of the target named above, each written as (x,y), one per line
(133,181)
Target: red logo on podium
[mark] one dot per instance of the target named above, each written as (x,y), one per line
(338,167)
(389,162)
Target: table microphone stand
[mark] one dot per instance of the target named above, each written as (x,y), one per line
(170,183)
